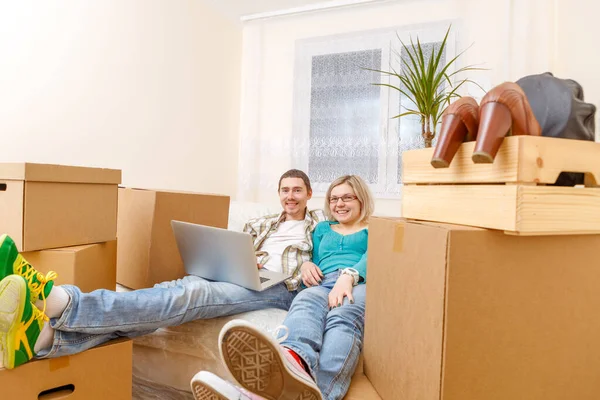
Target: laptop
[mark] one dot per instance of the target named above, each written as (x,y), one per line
(222,255)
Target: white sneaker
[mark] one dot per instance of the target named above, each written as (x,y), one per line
(208,386)
(262,366)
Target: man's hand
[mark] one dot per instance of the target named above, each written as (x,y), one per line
(311,274)
(260,265)
(341,289)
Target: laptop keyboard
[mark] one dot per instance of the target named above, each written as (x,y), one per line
(263,280)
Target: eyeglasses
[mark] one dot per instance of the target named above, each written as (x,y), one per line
(347,198)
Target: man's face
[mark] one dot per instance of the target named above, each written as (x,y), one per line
(293,196)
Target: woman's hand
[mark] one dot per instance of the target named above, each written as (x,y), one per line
(311,274)
(342,288)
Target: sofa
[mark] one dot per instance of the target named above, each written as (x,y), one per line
(165,361)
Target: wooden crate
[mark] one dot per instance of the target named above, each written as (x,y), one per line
(512,194)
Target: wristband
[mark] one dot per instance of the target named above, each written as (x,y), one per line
(353,273)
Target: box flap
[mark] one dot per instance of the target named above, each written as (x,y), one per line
(165,191)
(442,225)
(449,227)
(74,249)
(58,173)
(134,232)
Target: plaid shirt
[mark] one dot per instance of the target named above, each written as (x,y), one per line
(294,255)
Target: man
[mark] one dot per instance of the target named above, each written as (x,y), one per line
(284,241)
(41,320)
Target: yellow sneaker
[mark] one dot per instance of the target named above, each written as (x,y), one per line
(20,322)
(11,262)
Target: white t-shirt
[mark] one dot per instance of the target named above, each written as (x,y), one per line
(288,233)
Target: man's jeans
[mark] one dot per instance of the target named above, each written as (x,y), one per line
(329,341)
(91,319)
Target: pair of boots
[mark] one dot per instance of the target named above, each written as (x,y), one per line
(503,111)
(540,105)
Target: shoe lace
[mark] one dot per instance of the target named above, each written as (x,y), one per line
(300,364)
(285,334)
(35,288)
(21,334)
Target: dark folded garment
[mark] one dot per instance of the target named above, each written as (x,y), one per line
(560,109)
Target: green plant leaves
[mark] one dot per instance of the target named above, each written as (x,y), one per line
(425,81)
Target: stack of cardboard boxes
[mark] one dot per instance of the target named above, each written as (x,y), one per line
(65,219)
(503,303)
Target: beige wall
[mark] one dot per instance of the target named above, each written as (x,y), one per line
(577,48)
(512,38)
(147,86)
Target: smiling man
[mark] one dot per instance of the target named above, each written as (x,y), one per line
(283,241)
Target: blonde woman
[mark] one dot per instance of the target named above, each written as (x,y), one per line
(319,351)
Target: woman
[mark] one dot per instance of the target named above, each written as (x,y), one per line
(318,353)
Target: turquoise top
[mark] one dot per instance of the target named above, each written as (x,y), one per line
(333,251)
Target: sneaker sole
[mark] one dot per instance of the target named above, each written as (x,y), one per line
(202,391)
(257,364)
(12,303)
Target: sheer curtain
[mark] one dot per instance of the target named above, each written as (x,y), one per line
(344,131)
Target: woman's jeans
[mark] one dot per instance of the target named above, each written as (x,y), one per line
(91,319)
(329,341)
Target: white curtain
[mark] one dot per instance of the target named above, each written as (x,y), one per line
(533,35)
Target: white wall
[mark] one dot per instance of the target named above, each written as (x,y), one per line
(577,55)
(511,38)
(147,86)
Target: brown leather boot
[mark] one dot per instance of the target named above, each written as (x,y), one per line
(459,124)
(504,111)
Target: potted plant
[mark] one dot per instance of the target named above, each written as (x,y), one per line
(422,79)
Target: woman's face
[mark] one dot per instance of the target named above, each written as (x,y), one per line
(344,204)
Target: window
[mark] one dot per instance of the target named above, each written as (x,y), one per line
(344,116)
(342,122)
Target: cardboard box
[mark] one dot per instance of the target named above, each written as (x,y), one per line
(100,373)
(361,389)
(89,267)
(147,252)
(459,313)
(47,206)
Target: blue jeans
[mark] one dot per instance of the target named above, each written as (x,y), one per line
(329,341)
(91,319)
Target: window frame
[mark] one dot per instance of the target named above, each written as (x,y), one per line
(386,40)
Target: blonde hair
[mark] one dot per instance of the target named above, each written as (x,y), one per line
(361,190)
